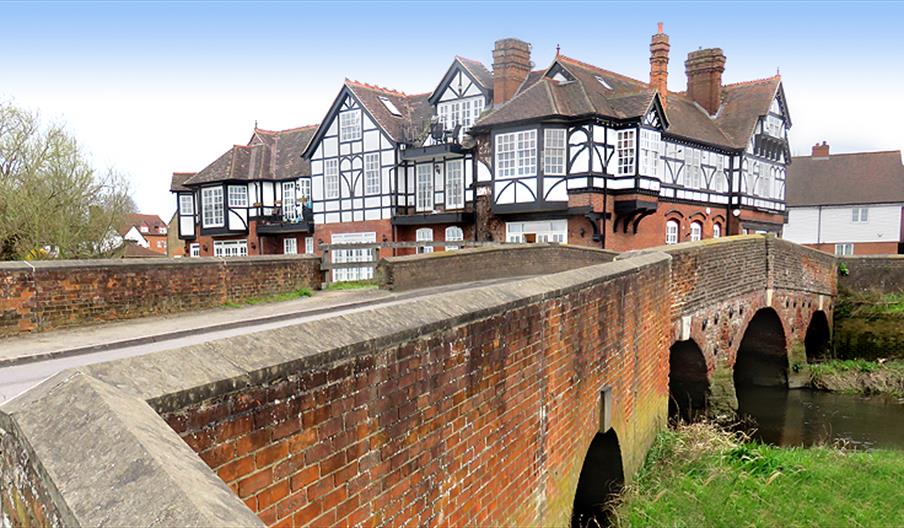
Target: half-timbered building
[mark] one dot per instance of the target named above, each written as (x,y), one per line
(252,200)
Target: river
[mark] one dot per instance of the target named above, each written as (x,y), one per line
(806,417)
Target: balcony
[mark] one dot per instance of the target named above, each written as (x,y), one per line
(292,220)
(771,147)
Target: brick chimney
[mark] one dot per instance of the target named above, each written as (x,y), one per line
(821,151)
(511,65)
(659,64)
(704,77)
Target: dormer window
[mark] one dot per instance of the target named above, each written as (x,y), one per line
(350,125)
(462,112)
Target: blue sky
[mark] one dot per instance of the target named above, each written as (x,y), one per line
(156,87)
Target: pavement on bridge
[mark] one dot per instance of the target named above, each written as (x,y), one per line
(27,360)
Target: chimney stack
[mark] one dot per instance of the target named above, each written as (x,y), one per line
(659,64)
(704,77)
(511,65)
(821,151)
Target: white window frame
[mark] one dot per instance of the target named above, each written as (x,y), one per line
(455,184)
(304,189)
(672,229)
(693,171)
(309,245)
(555,231)
(424,234)
(230,248)
(844,249)
(554,145)
(212,211)
(650,147)
(237,196)
(289,197)
(350,125)
(717,230)
(331,179)
(372,173)
(626,151)
(424,187)
(696,231)
(194,250)
(454,234)
(516,154)
(290,246)
(860,215)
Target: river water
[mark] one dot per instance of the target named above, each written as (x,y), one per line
(806,417)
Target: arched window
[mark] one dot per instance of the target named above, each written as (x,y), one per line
(696,231)
(424,234)
(717,230)
(671,232)
(454,234)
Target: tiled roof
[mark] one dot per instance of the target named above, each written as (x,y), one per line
(599,91)
(270,155)
(840,179)
(131,250)
(178,181)
(477,70)
(137,220)
(415,110)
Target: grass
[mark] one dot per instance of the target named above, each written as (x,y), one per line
(869,304)
(859,376)
(351,285)
(698,475)
(278,297)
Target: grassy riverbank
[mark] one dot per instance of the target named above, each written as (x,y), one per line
(698,475)
(859,376)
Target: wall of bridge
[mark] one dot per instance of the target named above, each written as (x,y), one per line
(475,407)
(42,295)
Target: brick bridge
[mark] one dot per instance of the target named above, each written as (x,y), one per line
(511,404)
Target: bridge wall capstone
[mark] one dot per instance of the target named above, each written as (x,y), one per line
(41,295)
(474,407)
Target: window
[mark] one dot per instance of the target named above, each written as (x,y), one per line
(454,234)
(843,250)
(363,254)
(238,196)
(860,215)
(288,201)
(462,112)
(372,173)
(516,154)
(554,151)
(718,181)
(230,248)
(309,245)
(650,147)
(304,189)
(331,178)
(290,246)
(194,250)
(390,106)
(350,125)
(186,205)
(424,234)
(717,230)
(424,185)
(696,231)
(626,152)
(455,185)
(671,232)
(212,206)
(144,229)
(539,231)
(692,168)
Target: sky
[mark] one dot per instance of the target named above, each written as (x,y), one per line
(150,88)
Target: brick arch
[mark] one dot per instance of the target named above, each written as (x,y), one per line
(762,356)
(818,337)
(602,477)
(688,380)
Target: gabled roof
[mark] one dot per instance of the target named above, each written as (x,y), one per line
(130,250)
(137,220)
(473,69)
(407,127)
(589,89)
(269,155)
(843,179)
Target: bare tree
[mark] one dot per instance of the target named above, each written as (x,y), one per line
(52,202)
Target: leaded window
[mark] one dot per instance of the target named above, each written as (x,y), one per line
(372,173)
(331,178)
(626,146)
(212,206)
(350,125)
(554,151)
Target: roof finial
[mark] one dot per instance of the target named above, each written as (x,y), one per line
(255,124)
(558,49)
(778,72)
(659,27)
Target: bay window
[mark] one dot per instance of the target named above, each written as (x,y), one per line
(554,151)
(650,147)
(626,140)
(212,206)
(186,205)
(516,154)
(238,196)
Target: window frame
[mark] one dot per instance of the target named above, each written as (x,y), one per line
(626,149)
(222,247)
(290,243)
(309,245)
(555,155)
(458,235)
(424,199)
(371,174)
(696,231)
(847,249)
(860,215)
(353,126)
(237,199)
(331,179)
(671,237)
(419,237)
(453,188)
(717,230)
(288,200)
(211,204)
(194,250)
(520,152)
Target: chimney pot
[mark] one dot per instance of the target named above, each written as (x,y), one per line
(659,64)
(704,77)
(821,151)
(511,66)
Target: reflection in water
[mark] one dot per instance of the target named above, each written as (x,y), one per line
(806,417)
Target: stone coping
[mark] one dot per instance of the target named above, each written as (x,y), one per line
(50,265)
(96,431)
(495,249)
